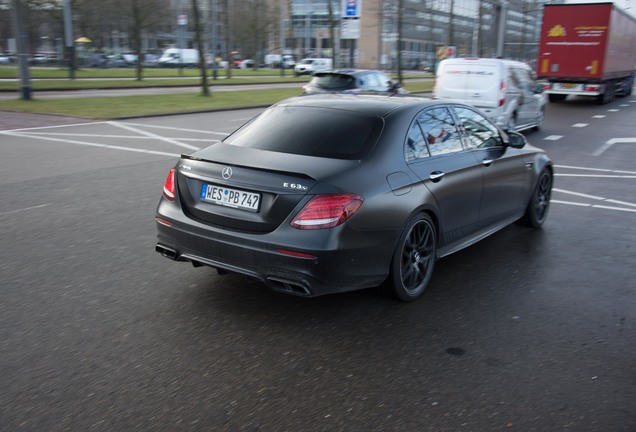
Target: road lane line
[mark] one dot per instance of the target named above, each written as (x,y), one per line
(593,206)
(117,136)
(595,169)
(175,128)
(593,197)
(611,142)
(595,175)
(24,209)
(89,144)
(56,126)
(159,137)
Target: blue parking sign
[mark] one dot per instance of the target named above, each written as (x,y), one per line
(351,8)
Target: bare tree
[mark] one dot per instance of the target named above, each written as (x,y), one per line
(198,34)
(141,16)
(332,33)
(251,22)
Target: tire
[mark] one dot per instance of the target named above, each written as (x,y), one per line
(537,210)
(413,260)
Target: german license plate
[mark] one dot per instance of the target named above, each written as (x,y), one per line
(228,197)
(568,86)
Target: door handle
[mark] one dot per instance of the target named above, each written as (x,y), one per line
(486,162)
(436,176)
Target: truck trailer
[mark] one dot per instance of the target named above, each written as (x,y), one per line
(587,50)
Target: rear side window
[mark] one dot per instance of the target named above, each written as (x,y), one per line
(310,131)
(334,81)
(440,131)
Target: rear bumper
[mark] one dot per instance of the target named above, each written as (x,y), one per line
(339,262)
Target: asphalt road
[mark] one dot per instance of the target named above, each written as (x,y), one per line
(525,331)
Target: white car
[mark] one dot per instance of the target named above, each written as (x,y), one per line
(4,59)
(506,91)
(310,66)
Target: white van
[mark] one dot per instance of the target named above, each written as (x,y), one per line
(177,57)
(310,66)
(504,90)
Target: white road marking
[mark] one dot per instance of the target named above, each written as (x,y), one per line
(594,198)
(159,137)
(613,110)
(624,105)
(89,144)
(593,206)
(24,209)
(611,142)
(115,136)
(594,169)
(579,125)
(553,137)
(596,175)
(51,127)
(599,116)
(175,128)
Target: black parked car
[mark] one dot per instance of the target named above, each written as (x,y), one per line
(352,81)
(329,193)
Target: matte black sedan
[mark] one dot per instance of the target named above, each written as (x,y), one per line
(330,193)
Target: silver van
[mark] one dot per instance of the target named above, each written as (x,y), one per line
(504,90)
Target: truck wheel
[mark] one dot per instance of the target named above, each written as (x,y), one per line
(556,97)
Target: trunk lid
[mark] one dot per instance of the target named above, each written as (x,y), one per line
(247,189)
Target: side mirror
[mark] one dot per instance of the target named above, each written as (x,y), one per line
(539,88)
(516,140)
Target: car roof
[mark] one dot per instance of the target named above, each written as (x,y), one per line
(379,105)
(346,71)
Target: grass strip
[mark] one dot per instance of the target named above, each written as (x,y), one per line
(129,106)
(8,72)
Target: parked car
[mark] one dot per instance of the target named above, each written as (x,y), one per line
(40,59)
(246,64)
(4,59)
(330,193)
(309,66)
(352,81)
(505,90)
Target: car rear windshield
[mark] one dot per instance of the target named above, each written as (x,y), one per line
(310,131)
(334,81)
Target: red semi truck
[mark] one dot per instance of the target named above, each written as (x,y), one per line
(587,50)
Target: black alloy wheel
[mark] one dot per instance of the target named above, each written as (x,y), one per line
(414,259)
(537,210)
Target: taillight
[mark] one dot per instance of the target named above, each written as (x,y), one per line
(327,211)
(502,93)
(168,187)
